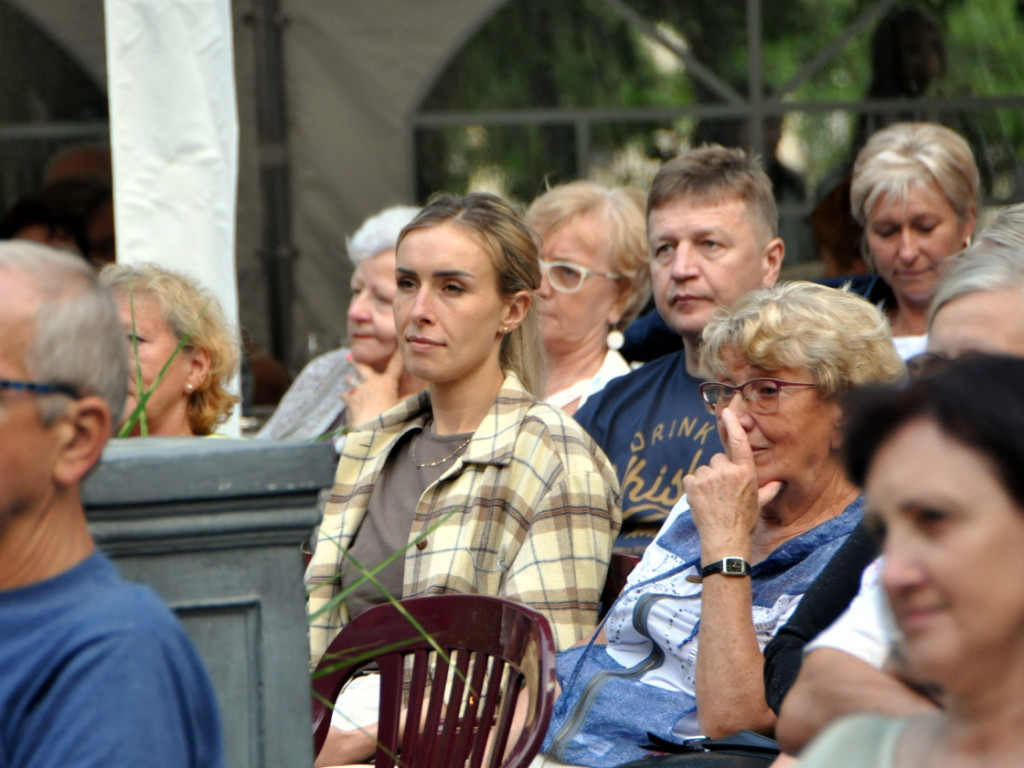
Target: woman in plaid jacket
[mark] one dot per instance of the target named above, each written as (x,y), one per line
(483,488)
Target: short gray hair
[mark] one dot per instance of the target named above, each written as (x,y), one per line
(993,262)
(78,340)
(379,233)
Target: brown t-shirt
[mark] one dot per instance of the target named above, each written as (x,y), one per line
(415,461)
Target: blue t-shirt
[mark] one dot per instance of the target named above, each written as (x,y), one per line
(96,671)
(655,429)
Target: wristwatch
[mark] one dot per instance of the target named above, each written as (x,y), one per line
(727,566)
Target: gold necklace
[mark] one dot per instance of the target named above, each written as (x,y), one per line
(449,457)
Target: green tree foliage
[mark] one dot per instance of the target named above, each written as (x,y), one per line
(581,54)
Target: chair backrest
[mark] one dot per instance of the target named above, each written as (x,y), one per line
(460,708)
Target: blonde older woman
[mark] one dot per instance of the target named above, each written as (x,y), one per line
(187,387)
(680,653)
(596,280)
(915,193)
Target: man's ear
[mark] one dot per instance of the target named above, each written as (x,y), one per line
(771,261)
(82,431)
(516,309)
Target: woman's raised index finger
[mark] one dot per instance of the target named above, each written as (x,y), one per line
(737,445)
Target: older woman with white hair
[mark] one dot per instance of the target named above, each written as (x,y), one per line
(351,385)
(915,193)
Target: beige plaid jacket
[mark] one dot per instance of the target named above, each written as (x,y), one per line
(534,507)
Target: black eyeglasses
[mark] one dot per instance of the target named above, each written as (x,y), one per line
(38,388)
(760,395)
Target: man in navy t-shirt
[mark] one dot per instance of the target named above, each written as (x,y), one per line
(94,671)
(712,225)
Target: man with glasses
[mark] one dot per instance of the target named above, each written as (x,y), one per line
(978,308)
(93,670)
(712,228)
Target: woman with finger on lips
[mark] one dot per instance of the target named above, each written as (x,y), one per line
(480,486)
(349,386)
(754,529)
(595,281)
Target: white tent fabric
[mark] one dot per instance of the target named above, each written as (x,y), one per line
(355,71)
(174,134)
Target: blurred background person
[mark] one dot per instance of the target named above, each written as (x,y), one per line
(595,281)
(351,385)
(838,236)
(188,387)
(915,192)
(908,62)
(72,213)
(940,463)
(979,306)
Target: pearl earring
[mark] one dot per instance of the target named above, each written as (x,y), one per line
(189,387)
(615,339)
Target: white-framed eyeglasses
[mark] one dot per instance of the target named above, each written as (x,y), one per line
(567,277)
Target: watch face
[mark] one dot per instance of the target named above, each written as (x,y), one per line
(734,566)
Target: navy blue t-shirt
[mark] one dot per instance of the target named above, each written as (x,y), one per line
(96,671)
(655,429)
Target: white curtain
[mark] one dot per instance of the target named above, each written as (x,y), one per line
(174,136)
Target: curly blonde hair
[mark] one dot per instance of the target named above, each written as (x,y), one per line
(188,308)
(840,338)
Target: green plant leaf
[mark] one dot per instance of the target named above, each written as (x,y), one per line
(370,574)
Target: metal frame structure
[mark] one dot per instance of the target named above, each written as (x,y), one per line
(755,108)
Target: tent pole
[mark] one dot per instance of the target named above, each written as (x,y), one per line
(278,252)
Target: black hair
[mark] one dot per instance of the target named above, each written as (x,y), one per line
(978,401)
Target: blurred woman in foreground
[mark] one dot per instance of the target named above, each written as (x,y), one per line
(941,465)
(182,351)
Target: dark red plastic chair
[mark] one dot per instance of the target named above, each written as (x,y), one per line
(502,651)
